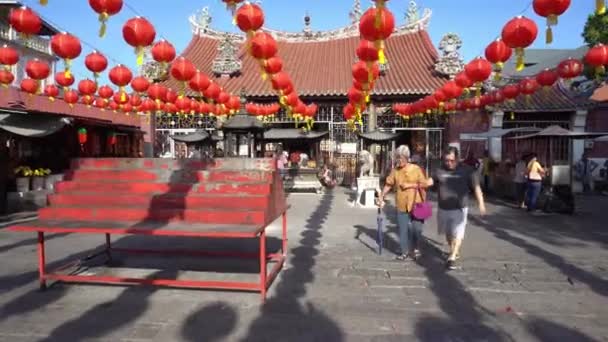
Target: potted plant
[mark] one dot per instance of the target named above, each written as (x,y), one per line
(38,179)
(23,178)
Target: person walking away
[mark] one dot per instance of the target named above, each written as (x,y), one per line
(535,174)
(520,181)
(584,172)
(454,182)
(485,171)
(409,182)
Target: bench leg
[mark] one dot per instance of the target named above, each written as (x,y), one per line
(263,261)
(41,261)
(108,246)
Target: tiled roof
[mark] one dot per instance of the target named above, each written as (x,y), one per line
(378,136)
(541,59)
(197,136)
(243,122)
(554,99)
(12,99)
(323,68)
(292,134)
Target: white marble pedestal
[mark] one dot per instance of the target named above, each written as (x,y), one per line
(366,188)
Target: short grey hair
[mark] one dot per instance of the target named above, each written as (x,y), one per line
(402,151)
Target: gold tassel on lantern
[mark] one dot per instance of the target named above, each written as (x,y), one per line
(519,52)
(549,35)
(68,67)
(600,7)
(139,51)
(44,2)
(103,18)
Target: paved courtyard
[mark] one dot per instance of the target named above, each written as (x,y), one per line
(523,278)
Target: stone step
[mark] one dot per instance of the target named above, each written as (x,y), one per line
(174,201)
(266,164)
(149,188)
(209,216)
(172,176)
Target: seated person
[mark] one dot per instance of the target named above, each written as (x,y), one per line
(327,178)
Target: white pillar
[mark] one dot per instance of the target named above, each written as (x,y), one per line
(494,145)
(578,123)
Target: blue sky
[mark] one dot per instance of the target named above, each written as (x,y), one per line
(476,21)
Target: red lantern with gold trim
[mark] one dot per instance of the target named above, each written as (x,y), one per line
(8,56)
(68,47)
(570,68)
(183,104)
(249,18)
(597,57)
(212,91)
(100,103)
(6,77)
(528,86)
(105,9)
(140,84)
(376,25)
(273,65)
(518,34)
(121,97)
(547,78)
(183,71)
(280,81)
(105,92)
(452,90)
(199,82)
(463,81)
(510,91)
(70,97)
(51,91)
(29,86)
(355,96)
(498,53)
(82,136)
(364,75)
(121,76)
(87,87)
(550,9)
(62,80)
(478,70)
(139,33)
(96,62)
(263,46)
(171,96)
(163,52)
(88,100)
(135,100)
(37,70)
(157,93)
(25,21)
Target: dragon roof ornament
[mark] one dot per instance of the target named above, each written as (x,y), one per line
(200,23)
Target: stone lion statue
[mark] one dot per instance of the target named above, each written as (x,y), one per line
(366,163)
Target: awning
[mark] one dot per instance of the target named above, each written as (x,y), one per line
(602,139)
(378,136)
(198,136)
(32,125)
(500,132)
(292,134)
(557,131)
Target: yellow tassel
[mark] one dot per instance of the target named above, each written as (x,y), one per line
(140,55)
(381,56)
(103,18)
(497,76)
(234,20)
(552,20)
(123,94)
(367,99)
(478,91)
(52,99)
(549,35)
(44,2)
(600,7)
(520,59)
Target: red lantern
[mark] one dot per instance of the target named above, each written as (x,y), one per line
(70,97)
(170,108)
(140,84)
(367,51)
(112,139)
(348,112)
(37,70)
(570,68)
(139,33)
(498,53)
(87,88)
(25,21)
(182,69)
(547,78)
(478,70)
(82,136)
(62,80)
(355,96)
(126,108)
(498,97)
(29,85)
(273,65)
(234,103)
(88,100)
(121,76)
(528,86)
(163,52)
(100,103)
(280,81)
(376,25)
(96,63)
(363,75)
(452,90)
(440,96)
(171,96)
(121,97)
(597,57)
(51,91)
(510,91)
(223,98)
(6,77)
(147,106)
(263,46)
(183,104)
(8,56)
(518,34)
(199,82)
(68,47)
(157,92)
(212,91)
(105,9)
(105,92)
(550,9)
(114,106)
(463,81)
(135,100)
(249,17)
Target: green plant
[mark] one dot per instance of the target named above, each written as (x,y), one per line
(24,171)
(41,172)
(596,29)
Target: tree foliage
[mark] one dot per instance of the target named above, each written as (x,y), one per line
(596,29)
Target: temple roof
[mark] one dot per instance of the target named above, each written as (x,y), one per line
(197,136)
(378,136)
(243,122)
(537,60)
(555,99)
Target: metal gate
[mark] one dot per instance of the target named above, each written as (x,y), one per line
(426,143)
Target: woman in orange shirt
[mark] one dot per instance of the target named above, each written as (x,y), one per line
(410,183)
(535,174)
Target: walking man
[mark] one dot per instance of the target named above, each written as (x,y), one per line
(454,183)
(584,172)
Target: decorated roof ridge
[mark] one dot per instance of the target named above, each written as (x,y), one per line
(201,26)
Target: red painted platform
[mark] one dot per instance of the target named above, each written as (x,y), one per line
(226,198)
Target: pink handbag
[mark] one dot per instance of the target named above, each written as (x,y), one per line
(422,210)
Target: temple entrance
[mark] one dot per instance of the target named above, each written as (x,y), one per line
(425,145)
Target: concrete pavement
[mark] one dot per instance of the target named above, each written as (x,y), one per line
(523,278)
